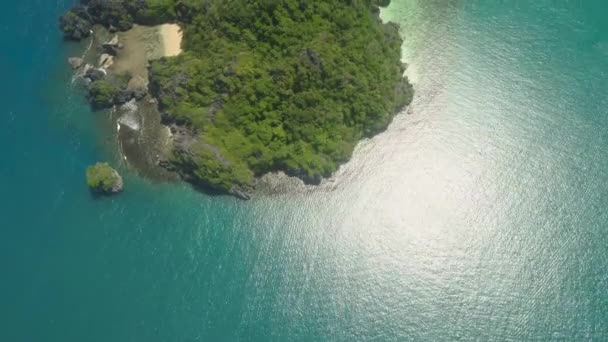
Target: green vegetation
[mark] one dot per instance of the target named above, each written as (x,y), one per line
(270,85)
(102,94)
(281,85)
(103,178)
(112,90)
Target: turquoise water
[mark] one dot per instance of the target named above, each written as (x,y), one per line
(479,216)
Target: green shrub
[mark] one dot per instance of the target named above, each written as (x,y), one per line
(103,178)
(102,94)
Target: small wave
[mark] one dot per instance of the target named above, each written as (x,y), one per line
(84,54)
(130,117)
(129,121)
(130,106)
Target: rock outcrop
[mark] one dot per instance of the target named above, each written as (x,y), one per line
(105,61)
(76,24)
(103,179)
(107,89)
(75,62)
(112,46)
(93,74)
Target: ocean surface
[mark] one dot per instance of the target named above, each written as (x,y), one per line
(481,214)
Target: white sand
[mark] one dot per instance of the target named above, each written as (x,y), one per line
(171,38)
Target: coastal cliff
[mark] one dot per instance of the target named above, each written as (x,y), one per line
(260,86)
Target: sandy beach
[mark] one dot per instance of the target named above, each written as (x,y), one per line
(171,35)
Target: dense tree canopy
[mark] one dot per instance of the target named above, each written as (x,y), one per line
(269,85)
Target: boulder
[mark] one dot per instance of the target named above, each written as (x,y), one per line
(94,74)
(113,41)
(75,62)
(110,49)
(112,46)
(105,61)
(87,68)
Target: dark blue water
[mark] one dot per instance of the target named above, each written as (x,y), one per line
(480,216)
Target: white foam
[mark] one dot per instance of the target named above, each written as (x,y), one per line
(130,118)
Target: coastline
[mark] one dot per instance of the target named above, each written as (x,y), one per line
(141,138)
(137,79)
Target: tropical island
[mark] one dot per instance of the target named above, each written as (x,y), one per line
(260,86)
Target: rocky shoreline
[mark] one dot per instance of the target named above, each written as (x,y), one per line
(111,83)
(106,88)
(168,106)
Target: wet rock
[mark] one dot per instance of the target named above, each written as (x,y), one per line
(75,62)
(94,74)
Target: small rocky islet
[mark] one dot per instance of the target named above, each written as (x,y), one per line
(103,179)
(261,86)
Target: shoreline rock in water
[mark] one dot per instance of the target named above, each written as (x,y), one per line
(103,179)
(75,62)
